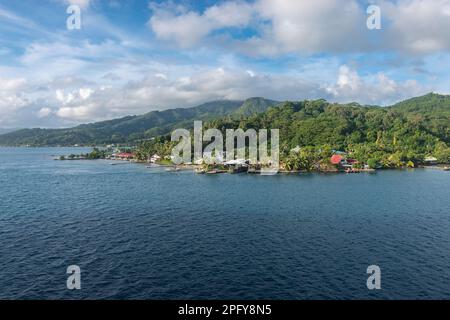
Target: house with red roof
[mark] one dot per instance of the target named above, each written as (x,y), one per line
(125,156)
(340,160)
(337,159)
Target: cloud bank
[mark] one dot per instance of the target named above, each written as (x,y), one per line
(181,56)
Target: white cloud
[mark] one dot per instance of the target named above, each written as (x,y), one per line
(11,98)
(155,92)
(83,112)
(372,89)
(308,27)
(75,95)
(64,99)
(39,53)
(71,102)
(348,79)
(312,26)
(81,3)
(44,112)
(161,75)
(85,93)
(123,80)
(10,94)
(418,27)
(20,23)
(305,26)
(187,28)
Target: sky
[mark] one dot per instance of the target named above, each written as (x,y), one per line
(135,56)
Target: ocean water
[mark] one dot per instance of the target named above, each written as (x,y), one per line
(140,233)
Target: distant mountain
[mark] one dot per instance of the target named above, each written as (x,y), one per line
(430,113)
(3,130)
(427,104)
(255,105)
(134,128)
(407,131)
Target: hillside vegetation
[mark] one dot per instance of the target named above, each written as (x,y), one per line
(131,129)
(404,133)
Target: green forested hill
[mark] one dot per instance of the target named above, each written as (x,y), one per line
(432,111)
(390,136)
(133,128)
(253,106)
(407,131)
(428,105)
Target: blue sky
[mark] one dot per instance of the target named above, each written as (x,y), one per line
(131,57)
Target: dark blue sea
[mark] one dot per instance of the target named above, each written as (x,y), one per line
(140,233)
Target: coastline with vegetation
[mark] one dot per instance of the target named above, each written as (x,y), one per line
(299,160)
(315,135)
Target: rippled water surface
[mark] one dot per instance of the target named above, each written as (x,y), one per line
(150,234)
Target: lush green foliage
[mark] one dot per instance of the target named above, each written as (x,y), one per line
(132,129)
(400,135)
(96,154)
(161,146)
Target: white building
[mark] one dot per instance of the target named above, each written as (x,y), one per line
(155,158)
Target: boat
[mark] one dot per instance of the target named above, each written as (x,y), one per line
(238,169)
(215,171)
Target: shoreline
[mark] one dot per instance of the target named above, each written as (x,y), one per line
(200,170)
(197,168)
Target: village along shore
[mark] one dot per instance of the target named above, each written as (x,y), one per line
(338,162)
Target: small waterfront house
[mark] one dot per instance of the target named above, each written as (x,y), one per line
(342,162)
(237,166)
(337,159)
(155,158)
(352,161)
(125,156)
(431,160)
(237,162)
